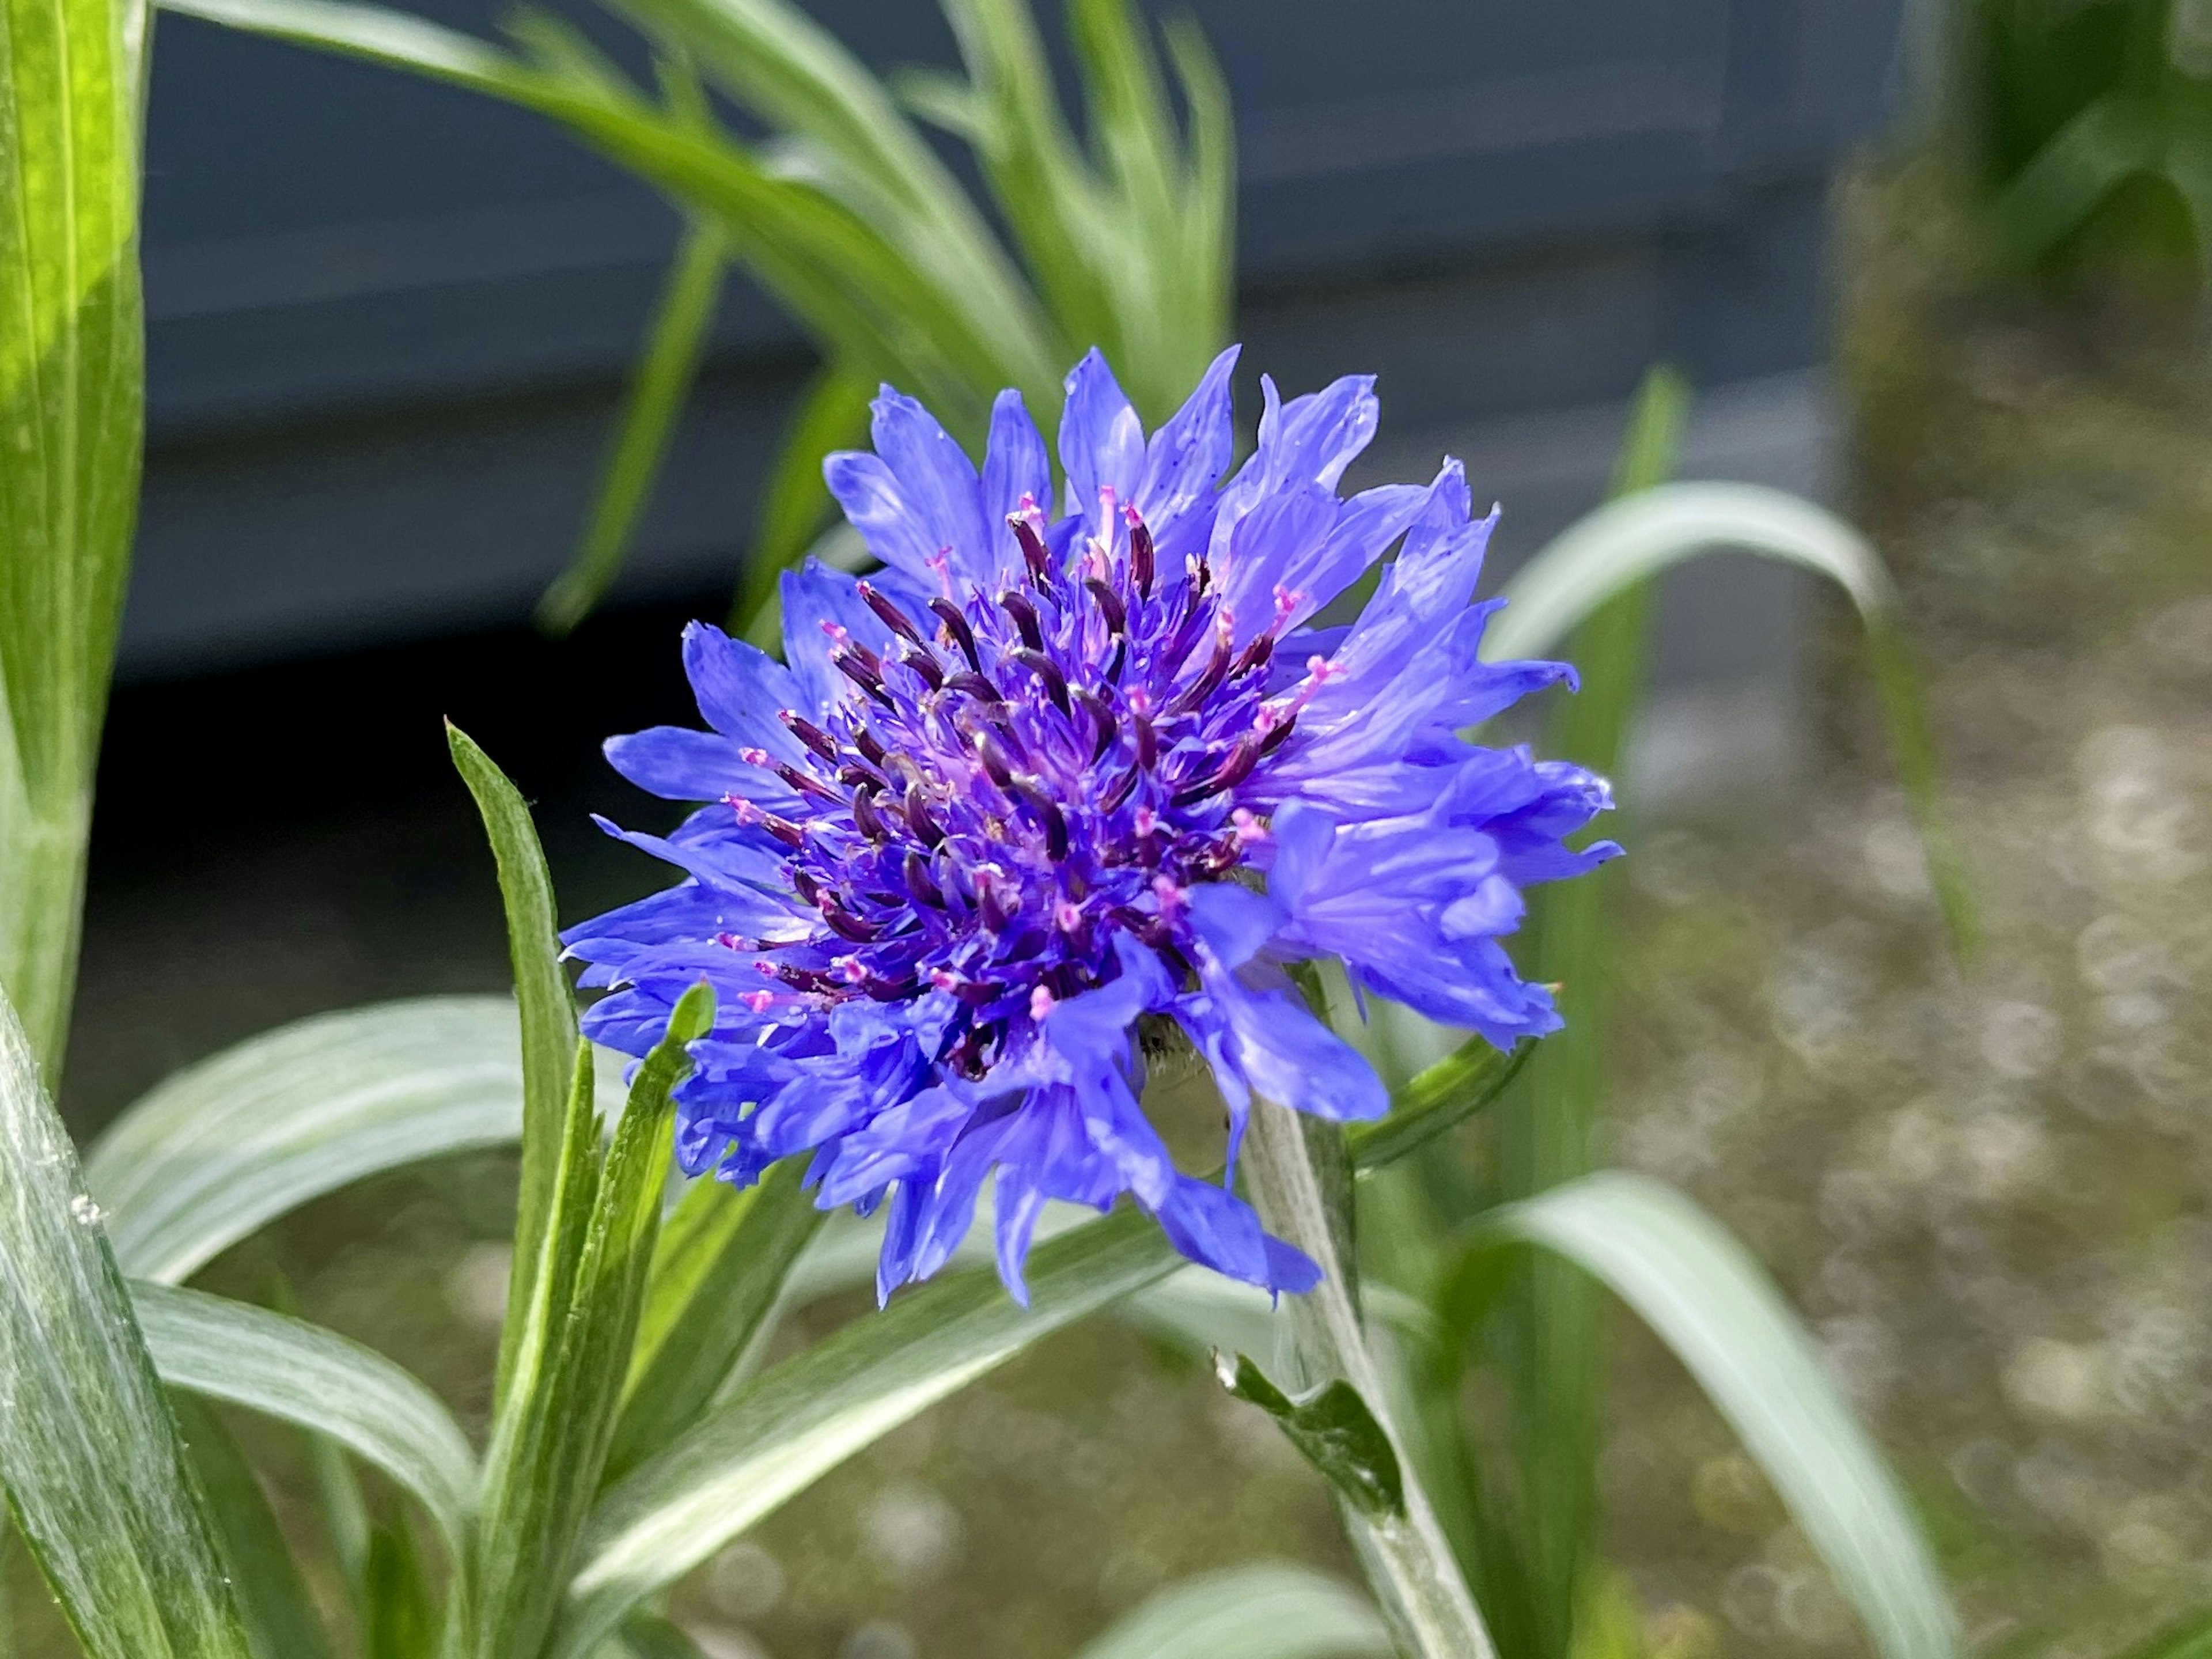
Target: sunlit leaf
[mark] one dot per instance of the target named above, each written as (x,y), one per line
(94,1474)
(549,1444)
(299,1373)
(227,1146)
(72,406)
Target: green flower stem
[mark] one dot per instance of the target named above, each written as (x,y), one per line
(1300,1178)
(42,862)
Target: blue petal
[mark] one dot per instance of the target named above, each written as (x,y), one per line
(812,596)
(1101,441)
(937,481)
(866,489)
(678,764)
(740,689)
(1218,1228)
(1014,465)
(1278,1049)
(1187,456)
(1234,922)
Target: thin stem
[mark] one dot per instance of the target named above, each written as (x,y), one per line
(1300,1179)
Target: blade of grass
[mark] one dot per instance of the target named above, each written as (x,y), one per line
(1546,1130)
(72,402)
(1702,1293)
(675,342)
(273,1598)
(548,1009)
(1258,1612)
(718,1269)
(550,1452)
(93,1471)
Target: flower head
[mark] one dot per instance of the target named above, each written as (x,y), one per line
(1046,776)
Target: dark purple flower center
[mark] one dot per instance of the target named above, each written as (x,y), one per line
(1023,775)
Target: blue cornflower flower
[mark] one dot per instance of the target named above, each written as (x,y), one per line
(1042,778)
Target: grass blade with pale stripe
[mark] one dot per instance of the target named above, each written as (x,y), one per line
(299,1373)
(1260,1612)
(93,1471)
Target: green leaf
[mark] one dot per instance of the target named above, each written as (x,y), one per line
(648,1635)
(1552,1345)
(1258,1612)
(1332,1427)
(1704,1296)
(2111,141)
(279,1613)
(1635,537)
(549,1011)
(91,1461)
(299,1373)
(717,1271)
(226,1146)
(675,342)
(832,414)
(72,409)
(783,1430)
(401,1614)
(1464,1082)
(550,1451)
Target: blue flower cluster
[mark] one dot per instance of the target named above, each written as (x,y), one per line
(1046,776)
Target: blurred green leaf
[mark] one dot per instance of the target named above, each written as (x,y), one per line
(299,1373)
(1702,1295)
(2111,141)
(1333,1428)
(72,402)
(2190,1639)
(675,342)
(1551,1339)
(402,1620)
(719,1265)
(832,414)
(550,1451)
(93,1471)
(548,1010)
(227,1146)
(1258,1612)
(272,1597)
(1637,537)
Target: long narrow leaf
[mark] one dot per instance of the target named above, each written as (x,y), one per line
(1633,538)
(90,1459)
(1260,1612)
(675,342)
(718,1270)
(72,406)
(272,1597)
(548,1009)
(1704,1296)
(1551,1340)
(788,1427)
(299,1373)
(547,1463)
(227,1146)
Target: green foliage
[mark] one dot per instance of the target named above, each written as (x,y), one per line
(548,1010)
(298,1373)
(1334,1429)
(2091,126)
(226,1146)
(1259,1612)
(95,1476)
(273,1599)
(1122,237)
(72,409)
(1701,1292)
